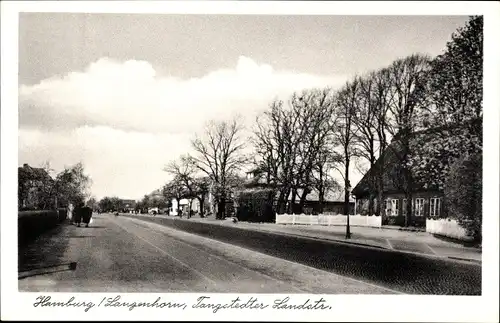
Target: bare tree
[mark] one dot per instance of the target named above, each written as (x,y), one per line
(407,95)
(382,99)
(274,142)
(288,142)
(201,190)
(365,122)
(175,189)
(347,104)
(184,171)
(323,181)
(219,156)
(316,119)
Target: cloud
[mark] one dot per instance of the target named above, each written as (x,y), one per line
(124,121)
(127,164)
(131,96)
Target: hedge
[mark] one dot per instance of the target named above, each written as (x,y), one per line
(255,206)
(32,224)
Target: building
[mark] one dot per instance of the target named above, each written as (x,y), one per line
(333,203)
(428,198)
(184,206)
(256,200)
(128,206)
(34,189)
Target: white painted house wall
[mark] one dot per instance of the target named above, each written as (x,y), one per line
(184,203)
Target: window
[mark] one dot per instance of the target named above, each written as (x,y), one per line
(395,207)
(418,207)
(388,206)
(435,206)
(392,207)
(403,211)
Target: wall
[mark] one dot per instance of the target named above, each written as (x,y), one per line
(354,220)
(446,227)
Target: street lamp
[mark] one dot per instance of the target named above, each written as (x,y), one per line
(348,227)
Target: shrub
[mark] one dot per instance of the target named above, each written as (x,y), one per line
(463,191)
(33,223)
(255,206)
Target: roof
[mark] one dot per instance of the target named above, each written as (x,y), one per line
(330,196)
(259,182)
(33,173)
(433,138)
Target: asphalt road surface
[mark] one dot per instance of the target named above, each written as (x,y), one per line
(407,273)
(123,254)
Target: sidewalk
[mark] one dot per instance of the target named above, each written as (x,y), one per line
(422,243)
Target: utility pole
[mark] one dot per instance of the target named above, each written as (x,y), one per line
(348,227)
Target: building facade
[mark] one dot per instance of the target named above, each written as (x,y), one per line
(446,143)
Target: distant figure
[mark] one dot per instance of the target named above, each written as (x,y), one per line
(86,215)
(82,214)
(77,214)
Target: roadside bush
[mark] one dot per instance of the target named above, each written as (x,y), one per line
(33,223)
(463,191)
(255,206)
(63,215)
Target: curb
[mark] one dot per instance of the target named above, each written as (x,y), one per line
(466,259)
(295,234)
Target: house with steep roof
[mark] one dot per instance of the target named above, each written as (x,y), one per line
(428,198)
(34,188)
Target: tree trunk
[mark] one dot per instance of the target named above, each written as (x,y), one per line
(283,198)
(409,197)
(321,200)
(291,205)
(190,207)
(202,205)
(303,197)
(321,191)
(221,208)
(370,204)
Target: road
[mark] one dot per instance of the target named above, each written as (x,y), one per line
(406,272)
(123,254)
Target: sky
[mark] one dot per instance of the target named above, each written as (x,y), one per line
(126,93)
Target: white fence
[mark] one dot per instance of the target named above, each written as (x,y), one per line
(323,219)
(446,227)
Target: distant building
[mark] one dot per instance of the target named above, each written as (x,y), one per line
(333,203)
(184,206)
(128,206)
(256,200)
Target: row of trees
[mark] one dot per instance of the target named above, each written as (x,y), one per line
(70,186)
(212,168)
(300,144)
(327,129)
